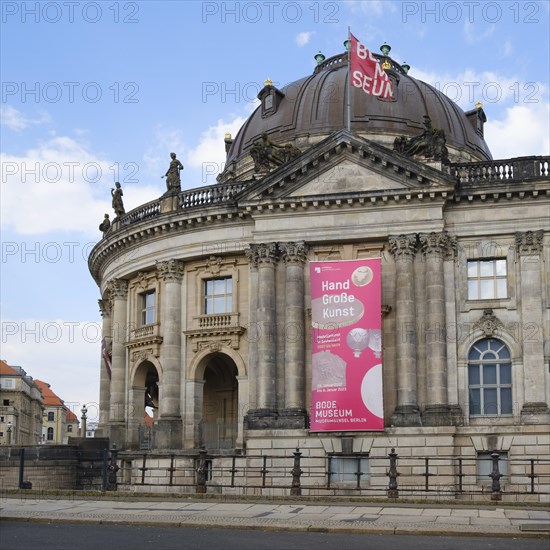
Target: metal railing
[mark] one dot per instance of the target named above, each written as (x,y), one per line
(389,476)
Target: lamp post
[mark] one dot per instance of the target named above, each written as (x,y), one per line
(10,426)
(84,411)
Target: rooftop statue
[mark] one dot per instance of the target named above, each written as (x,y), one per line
(430,143)
(118,205)
(173,181)
(105,224)
(267,154)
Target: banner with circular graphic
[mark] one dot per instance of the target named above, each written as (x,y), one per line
(346,371)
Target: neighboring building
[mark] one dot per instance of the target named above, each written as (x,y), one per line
(21,407)
(206,294)
(91,427)
(59,423)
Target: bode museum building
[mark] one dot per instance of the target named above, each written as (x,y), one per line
(347,287)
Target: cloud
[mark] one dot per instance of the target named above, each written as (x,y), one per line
(61,185)
(522,132)
(209,154)
(303,38)
(472,34)
(59,352)
(15,120)
(489,87)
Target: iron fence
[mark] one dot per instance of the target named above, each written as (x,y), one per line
(389,476)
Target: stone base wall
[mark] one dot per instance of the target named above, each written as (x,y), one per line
(264,468)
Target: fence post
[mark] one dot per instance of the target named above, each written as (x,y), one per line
(393,491)
(113,469)
(495,475)
(201,473)
(296,489)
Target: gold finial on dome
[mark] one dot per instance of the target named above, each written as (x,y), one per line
(479,105)
(268,82)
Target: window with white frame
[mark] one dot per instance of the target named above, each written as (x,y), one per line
(487,279)
(218,295)
(485,464)
(51,417)
(490,378)
(348,468)
(147,305)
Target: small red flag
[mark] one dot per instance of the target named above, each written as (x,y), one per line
(366,73)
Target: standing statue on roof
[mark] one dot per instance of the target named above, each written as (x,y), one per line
(118,205)
(173,181)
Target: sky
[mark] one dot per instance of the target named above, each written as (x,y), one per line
(98,92)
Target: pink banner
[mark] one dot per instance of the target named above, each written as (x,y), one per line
(346,372)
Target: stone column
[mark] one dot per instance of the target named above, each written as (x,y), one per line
(294,256)
(529,250)
(266,255)
(169,431)
(403,249)
(118,289)
(434,248)
(104,376)
(252,333)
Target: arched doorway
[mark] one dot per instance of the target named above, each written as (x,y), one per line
(218,427)
(145,402)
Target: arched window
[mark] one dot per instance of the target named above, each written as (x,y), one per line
(490,378)
(50,434)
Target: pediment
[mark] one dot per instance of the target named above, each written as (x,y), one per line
(346,176)
(347,164)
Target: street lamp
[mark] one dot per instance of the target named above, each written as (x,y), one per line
(84,411)
(10,426)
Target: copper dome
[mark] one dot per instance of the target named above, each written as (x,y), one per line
(313,107)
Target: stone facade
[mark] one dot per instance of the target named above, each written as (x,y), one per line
(206,308)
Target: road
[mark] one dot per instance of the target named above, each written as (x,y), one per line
(58,536)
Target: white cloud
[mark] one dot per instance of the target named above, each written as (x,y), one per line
(491,88)
(63,186)
(209,154)
(474,36)
(522,132)
(15,120)
(303,38)
(58,352)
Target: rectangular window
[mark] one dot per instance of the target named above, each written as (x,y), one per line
(50,417)
(70,428)
(485,465)
(348,468)
(218,296)
(487,279)
(7,383)
(6,402)
(147,307)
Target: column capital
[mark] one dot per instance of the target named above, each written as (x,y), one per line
(104,308)
(403,247)
(170,270)
(118,288)
(294,252)
(262,253)
(529,243)
(437,245)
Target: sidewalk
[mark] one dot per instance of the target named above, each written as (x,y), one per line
(291,516)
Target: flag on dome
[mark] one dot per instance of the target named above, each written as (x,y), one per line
(366,73)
